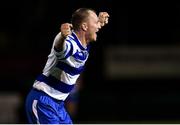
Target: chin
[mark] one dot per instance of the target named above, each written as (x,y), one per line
(94,40)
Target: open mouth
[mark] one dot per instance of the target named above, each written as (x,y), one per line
(97,32)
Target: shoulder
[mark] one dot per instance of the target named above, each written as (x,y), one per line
(71,40)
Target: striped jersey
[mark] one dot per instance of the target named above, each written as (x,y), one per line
(62,68)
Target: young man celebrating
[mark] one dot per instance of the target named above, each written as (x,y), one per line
(70,50)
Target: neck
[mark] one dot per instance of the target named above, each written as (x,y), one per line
(81,37)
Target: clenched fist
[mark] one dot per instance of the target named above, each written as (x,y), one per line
(66,29)
(103,18)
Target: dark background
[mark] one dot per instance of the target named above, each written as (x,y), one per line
(27,30)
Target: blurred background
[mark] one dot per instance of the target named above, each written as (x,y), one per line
(133,71)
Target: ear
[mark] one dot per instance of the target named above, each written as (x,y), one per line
(84,26)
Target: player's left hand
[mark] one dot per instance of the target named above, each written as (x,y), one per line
(103,18)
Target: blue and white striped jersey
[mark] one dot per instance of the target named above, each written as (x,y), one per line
(62,68)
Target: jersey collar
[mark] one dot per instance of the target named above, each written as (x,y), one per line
(78,41)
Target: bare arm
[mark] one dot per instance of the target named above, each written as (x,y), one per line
(65,31)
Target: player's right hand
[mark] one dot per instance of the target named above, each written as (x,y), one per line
(66,29)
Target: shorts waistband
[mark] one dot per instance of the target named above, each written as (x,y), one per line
(42,92)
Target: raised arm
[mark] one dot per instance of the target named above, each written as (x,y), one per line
(65,31)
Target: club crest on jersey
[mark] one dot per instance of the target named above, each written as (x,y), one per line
(80,55)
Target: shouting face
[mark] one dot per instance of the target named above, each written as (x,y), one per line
(93,26)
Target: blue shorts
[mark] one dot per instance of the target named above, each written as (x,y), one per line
(43,109)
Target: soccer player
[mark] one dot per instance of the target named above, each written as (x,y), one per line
(70,50)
